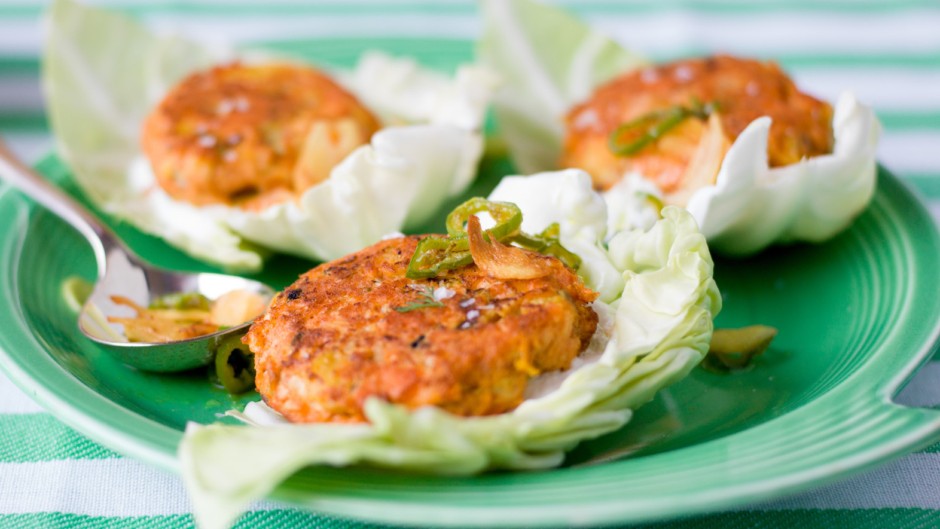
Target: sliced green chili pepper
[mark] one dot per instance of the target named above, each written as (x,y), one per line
(570,259)
(435,254)
(631,137)
(548,243)
(508,217)
(235,365)
(541,241)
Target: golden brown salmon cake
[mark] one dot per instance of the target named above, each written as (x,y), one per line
(357,327)
(252,135)
(743,90)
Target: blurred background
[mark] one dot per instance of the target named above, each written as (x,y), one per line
(887,52)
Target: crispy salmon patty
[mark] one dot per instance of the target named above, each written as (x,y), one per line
(252,135)
(742,89)
(357,328)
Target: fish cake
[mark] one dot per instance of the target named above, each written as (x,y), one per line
(743,90)
(252,135)
(357,328)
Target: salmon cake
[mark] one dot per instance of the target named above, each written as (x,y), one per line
(464,341)
(252,135)
(728,94)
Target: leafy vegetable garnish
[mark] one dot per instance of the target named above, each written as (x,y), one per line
(435,254)
(734,349)
(427,301)
(631,137)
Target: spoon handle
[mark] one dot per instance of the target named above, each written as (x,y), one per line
(21,176)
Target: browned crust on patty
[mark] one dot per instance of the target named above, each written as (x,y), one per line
(333,338)
(252,135)
(744,89)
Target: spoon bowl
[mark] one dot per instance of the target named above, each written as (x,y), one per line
(143,284)
(123,273)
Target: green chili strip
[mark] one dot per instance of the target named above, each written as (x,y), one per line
(547,243)
(436,254)
(508,217)
(631,137)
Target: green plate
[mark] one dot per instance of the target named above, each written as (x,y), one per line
(857,316)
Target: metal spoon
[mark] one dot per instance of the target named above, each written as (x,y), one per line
(121,272)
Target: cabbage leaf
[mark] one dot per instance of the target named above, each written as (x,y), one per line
(547,60)
(550,61)
(103,72)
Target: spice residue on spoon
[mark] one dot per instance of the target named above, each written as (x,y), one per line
(183,316)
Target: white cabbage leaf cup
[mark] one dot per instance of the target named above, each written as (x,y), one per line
(550,61)
(103,73)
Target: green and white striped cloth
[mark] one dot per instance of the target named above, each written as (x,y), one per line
(887,52)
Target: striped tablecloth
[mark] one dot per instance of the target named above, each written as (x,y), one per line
(887,52)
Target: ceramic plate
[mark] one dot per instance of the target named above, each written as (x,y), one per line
(857,316)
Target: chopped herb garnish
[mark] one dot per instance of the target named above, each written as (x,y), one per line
(427,301)
(631,137)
